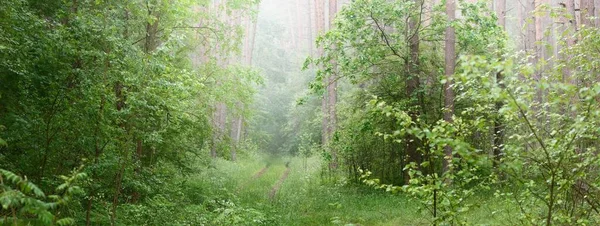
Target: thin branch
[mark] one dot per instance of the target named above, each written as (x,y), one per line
(384,36)
(182,27)
(214,31)
(530,126)
(416,31)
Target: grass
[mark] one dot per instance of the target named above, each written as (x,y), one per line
(304,199)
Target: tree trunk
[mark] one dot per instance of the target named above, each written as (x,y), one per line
(501,12)
(498,136)
(120,104)
(310,30)
(151,43)
(539,27)
(222,59)
(236,129)
(298,25)
(413,84)
(332,91)
(138,168)
(450,60)
(219,123)
(597,13)
(291,28)
(320,24)
(588,11)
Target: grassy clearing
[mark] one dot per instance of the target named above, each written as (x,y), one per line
(303,198)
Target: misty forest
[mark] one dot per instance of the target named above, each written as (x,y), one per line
(299,112)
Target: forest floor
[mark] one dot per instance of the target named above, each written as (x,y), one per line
(292,191)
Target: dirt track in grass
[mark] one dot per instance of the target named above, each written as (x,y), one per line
(257,175)
(260,173)
(276,187)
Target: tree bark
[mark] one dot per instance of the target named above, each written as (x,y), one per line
(588,11)
(219,123)
(501,12)
(310,29)
(332,91)
(151,43)
(413,84)
(539,27)
(220,110)
(320,25)
(120,104)
(298,23)
(450,61)
(291,28)
(498,136)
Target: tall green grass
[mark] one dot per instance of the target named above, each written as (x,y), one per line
(305,198)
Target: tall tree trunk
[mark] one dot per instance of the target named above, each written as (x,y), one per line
(222,58)
(573,11)
(588,11)
(298,24)
(413,84)
(97,149)
(120,104)
(150,44)
(310,29)
(236,129)
(138,168)
(320,24)
(501,12)
(332,91)
(530,29)
(291,28)
(566,30)
(498,136)
(450,60)
(539,27)
(117,192)
(219,123)
(597,13)
(251,44)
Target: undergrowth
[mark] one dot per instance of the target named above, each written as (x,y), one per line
(235,193)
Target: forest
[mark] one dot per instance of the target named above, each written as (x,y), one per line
(300,112)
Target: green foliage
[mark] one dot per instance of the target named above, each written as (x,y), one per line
(116,83)
(304,199)
(230,214)
(443,194)
(22,200)
(550,155)
(129,89)
(370,44)
(546,108)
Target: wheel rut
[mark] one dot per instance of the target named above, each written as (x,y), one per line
(256,176)
(277,185)
(260,173)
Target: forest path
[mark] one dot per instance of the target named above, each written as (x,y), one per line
(292,191)
(276,187)
(255,183)
(260,173)
(256,176)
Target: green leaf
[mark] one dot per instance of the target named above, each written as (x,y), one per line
(66,221)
